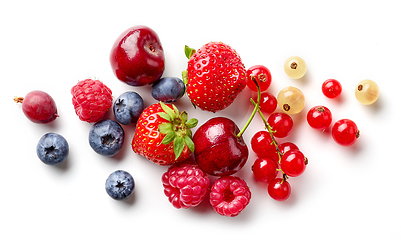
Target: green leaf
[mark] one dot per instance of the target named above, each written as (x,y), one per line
(164,116)
(165,128)
(189,143)
(168,138)
(191,123)
(178,146)
(189,52)
(184,75)
(168,110)
(177,112)
(184,116)
(189,133)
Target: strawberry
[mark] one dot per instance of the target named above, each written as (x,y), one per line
(163,134)
(215,76)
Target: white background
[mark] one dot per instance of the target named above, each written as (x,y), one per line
(345,193)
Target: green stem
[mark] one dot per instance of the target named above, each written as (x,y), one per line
(270,130)
(254,110)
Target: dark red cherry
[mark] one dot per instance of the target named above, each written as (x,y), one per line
(218,149)
(137,56)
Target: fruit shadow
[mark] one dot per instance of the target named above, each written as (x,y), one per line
(64,166)
(131,200)
(377,106)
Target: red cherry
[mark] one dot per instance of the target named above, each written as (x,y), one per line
(38,106)
(279,189)
(218,149)
(262,144)
(137,56)
(281,124)
(331,88)
(267,103)
(319,117)
(293,163)
(262,75)
(345,132)
(264,169)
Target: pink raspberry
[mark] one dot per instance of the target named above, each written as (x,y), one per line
(185,185)
(91,100)
(229,195)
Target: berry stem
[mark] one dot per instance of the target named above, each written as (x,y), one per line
(270,130)
(18,99)
(255,109)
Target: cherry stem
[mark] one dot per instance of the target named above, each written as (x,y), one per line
(270,130)
(256,108)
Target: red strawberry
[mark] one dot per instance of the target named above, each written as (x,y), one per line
(215,76)
(163,134)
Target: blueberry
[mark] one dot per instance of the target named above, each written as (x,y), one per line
(106,137)
(128,107)
(52,149)
(120,185)
(168,89)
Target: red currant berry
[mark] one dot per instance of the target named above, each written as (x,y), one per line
(262,144)
(287,146)
(38,106)
(283,148)
(293,163)
(279,189)
(261,74)
(345,132)
(281,124)
(267,103)
(319,117)
(265,169)
(331,88)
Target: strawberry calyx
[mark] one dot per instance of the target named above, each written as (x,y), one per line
(177,129)
(188,53)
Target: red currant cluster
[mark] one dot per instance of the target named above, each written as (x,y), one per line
(286,158)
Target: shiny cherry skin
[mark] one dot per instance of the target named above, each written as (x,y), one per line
(331,88)
(218,149)
(279,189)
(345,132)
(262,75)
(293,163)
(319,117)
(281,124)
(262,144)
(265,169)
(267,103)
(137,56)
(38,107)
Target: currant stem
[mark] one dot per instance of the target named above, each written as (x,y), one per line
(256,108)
(270,130)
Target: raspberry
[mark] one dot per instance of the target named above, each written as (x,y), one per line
(91,100)
(185,185)
(229,195)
